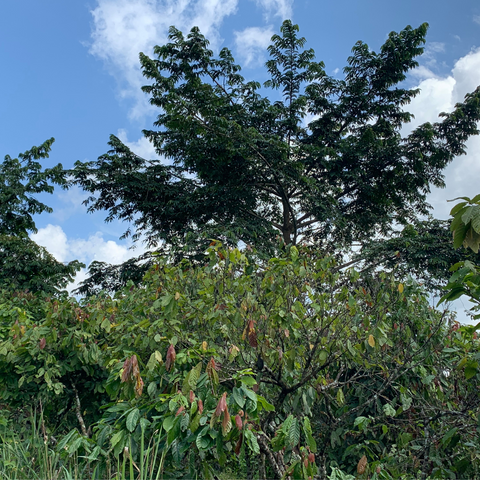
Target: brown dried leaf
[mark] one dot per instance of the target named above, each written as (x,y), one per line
(362,465)
(135,369)
(139,386)
(127,370)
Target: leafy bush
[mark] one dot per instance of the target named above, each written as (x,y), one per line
(288,367)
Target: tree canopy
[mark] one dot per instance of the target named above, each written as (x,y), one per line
(23,263)
(323,160)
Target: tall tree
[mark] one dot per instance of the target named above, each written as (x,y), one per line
(325,162)
(23,263)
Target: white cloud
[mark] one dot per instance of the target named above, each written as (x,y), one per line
(277,8)
(476,19)
(95,247)
(435,97)
(252,43)
(142,147)
(440,94)
(65,249)
(123,28)
(54,239)
(422,72)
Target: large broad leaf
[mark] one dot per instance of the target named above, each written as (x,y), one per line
(132,419)
(294,432)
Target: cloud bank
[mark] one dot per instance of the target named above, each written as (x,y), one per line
(440,94)
(123,28)
(95,247)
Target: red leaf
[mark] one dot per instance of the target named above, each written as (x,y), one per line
(200,406)
(238,422)
(222,405)
(171,355)
(42,343)
(180,410)
(311,458)
(226,422)
(238,445)
(192,396)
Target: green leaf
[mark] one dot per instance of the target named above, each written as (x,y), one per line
(132,419)
(340,397)
(389,410)
(447,437)
(168,423)
(294,432)
(238,397)
(265,405)
(307,430)
(471,370)
(252,441)
(248,380)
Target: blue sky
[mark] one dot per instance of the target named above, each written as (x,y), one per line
(70,70)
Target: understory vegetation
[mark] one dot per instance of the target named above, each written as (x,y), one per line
(235,369)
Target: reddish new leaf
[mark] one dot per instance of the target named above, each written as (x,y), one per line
(171,355)
(200,406)
(192,396)
(180,410)
(42,343)
(222,405)
(238,445)
(238,422)
(226,422)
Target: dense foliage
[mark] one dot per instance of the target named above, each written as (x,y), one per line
(23,263)
(326,162)
(240,370)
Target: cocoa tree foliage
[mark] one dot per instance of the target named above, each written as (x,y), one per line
(422,248)
(325,162)
(222,364)
(465,227)
(23,263)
